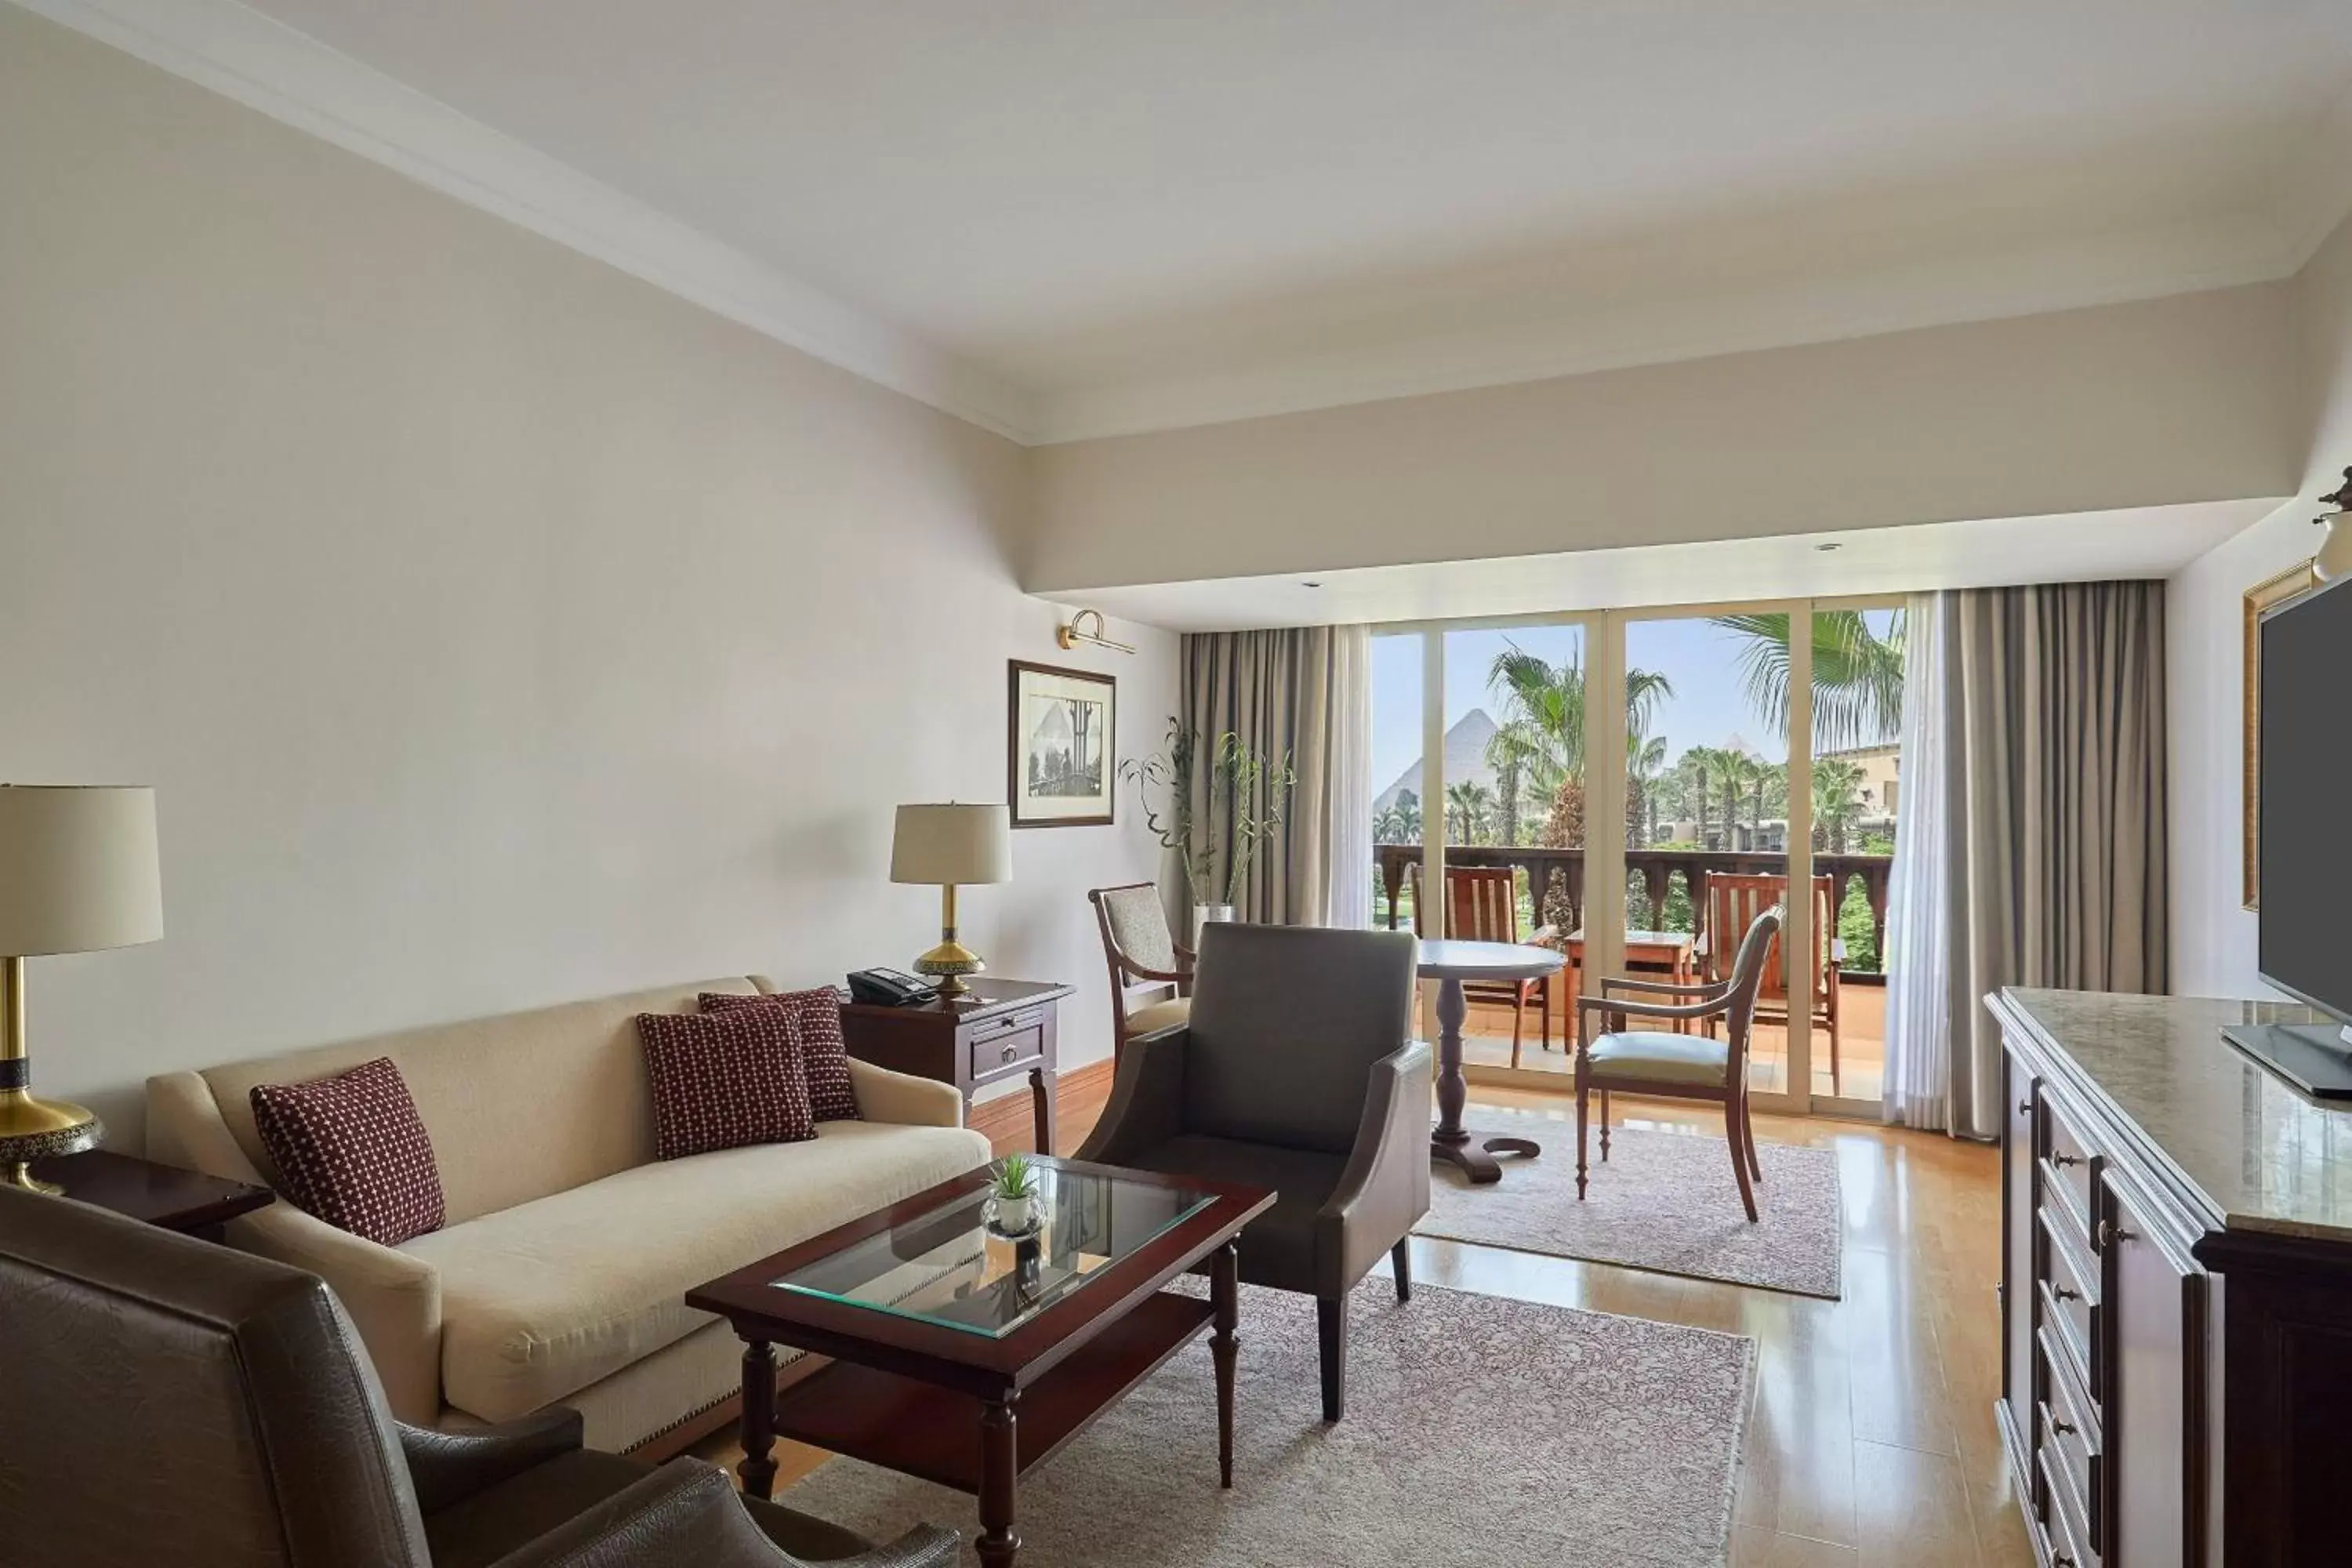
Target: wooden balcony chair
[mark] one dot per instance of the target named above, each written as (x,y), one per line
(1732,904)
(1672,1066)
(1482,904)
(1150,971)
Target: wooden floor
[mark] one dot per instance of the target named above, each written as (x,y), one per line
(1871,1438)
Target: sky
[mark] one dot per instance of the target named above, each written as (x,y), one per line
(1707,708)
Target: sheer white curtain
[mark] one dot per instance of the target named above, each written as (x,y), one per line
(1349,779)
(1919,893)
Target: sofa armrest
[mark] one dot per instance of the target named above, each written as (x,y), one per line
(904,1099)
(448,1467)
(1384,1189)
(1147,1100)
(393,1300)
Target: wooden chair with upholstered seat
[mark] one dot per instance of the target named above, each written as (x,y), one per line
(1150,971)
(1482,904)
(1672,1066)
(1732,902)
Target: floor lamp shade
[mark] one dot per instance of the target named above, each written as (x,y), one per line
(948,846)
(78,869)
(78,872)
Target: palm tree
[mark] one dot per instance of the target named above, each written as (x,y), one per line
(1408,811)
(1837,788)
(1760,774)
(1508,790)
(1645,762)
(1698,762)
(1388,825)
(1857,674)
(1469,808)
(1542,733)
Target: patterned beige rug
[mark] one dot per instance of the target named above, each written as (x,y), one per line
(1479,1430)
(1664,1202)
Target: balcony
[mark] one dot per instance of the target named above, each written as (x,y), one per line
(1558,874)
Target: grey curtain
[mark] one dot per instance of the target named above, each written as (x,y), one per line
(1289,692)
(2054,807)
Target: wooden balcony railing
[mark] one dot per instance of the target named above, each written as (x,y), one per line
(1655,868)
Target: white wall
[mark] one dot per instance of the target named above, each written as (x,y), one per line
(2212,936)
(497,629)
(2185,399)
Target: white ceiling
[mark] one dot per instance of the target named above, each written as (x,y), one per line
(2145,542)
(1120,215)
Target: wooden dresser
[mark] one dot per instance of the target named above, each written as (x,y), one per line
(2176,1289)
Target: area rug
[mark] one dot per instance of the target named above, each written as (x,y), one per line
(1665,1202)
(1479,1430)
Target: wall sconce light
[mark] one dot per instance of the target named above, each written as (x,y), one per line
(2335,558)
(1075,633)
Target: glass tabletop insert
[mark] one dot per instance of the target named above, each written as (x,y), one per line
(954,1267)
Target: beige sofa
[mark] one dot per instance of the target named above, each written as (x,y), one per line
(559,1276)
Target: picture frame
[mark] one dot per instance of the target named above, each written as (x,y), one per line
(2268,594)
(1061,746)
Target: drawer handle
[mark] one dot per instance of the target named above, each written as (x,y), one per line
(2064,1294)
(2111,1234)
(1007,1052)
(2064,1427)
(2063,1160)
(2025,1108)
(2059,1560)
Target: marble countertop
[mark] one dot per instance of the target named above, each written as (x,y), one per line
(2265,1156)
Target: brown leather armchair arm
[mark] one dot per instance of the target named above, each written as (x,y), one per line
(1147,1100)
(687,1512)
(1384,1189)
(448,1467)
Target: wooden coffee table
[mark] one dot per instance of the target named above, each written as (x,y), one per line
(968,1358)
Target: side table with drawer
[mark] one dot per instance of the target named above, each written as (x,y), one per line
(1003,1029)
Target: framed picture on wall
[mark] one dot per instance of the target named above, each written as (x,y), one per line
(1063,735)
(2296,579)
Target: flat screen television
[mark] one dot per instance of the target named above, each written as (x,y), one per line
(2303,854)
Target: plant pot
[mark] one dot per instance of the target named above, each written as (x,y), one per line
(1209,914)
(1014,1216)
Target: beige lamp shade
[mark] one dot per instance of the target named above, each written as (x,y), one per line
(77,869)
(953,844)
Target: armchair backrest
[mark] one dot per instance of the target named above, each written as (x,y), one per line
(167,1400)
(1135,928)
(1286,1024)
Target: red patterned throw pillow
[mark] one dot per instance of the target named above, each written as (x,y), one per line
(724,1080)
(351,1150)
(823,1053)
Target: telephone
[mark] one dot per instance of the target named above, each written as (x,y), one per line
(890,988)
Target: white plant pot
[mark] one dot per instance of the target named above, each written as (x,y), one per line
(1012,1215)
(1209,914)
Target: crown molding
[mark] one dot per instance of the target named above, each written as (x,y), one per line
(292,78)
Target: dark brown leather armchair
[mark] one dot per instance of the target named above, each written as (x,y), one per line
(166,1400)
(1297,1071)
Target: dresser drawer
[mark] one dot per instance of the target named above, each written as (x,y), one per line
(1003,1045)
(2068,1434)
(2069,1293)
(2069,1539)
(2066,1168)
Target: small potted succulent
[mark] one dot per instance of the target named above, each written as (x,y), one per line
(1012,1187)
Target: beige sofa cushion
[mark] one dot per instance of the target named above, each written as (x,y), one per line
(547,1297)
(519,1107)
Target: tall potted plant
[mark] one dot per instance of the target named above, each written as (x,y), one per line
(1256,789)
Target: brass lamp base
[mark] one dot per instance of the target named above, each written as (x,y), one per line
(952,961)
(36,1129)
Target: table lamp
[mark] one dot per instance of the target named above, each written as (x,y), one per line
(952,845)
(77,873)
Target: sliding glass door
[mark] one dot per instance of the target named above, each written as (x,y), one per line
(1632,787)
